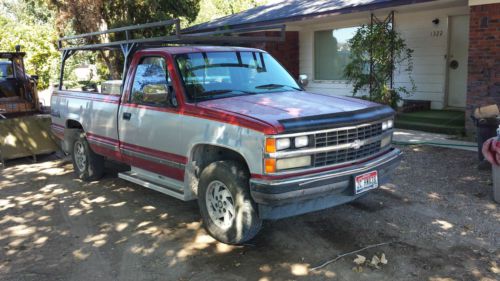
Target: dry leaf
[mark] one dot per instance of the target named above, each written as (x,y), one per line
(359,260)
(494,268)
(383,260)
(375,261)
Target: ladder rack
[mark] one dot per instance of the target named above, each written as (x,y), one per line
(177,37)
(173,36)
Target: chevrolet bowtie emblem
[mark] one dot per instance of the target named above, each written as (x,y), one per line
(356,144)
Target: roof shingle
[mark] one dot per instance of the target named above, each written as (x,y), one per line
(292,10)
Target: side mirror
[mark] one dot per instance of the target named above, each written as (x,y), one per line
(303,80)
(155,89)
(160,94)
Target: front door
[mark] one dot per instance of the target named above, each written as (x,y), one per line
(149,122)
(457,60)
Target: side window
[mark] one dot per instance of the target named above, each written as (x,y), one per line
(152,83)
(6,69)
(94,72)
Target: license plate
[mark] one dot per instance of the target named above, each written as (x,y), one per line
(365,182)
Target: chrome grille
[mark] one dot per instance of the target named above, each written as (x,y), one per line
(347,135)
(346,155)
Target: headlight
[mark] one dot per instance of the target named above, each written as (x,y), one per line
(282,144)
(302,141)
(290,163)
(390,123)
(387,124)
(385,141)
(273,145)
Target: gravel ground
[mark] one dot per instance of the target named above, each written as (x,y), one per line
(438,213)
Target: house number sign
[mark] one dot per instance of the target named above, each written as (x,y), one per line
(436,33)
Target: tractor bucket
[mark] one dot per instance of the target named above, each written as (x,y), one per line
(26,136)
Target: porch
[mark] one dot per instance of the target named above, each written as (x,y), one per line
(451,122)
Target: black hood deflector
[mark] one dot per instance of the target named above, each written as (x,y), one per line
(341,119)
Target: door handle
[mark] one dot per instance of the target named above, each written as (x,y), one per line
(127,115)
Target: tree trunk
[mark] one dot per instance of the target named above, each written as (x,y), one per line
(109,60)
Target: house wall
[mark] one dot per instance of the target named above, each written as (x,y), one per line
(429,41)
(484,58)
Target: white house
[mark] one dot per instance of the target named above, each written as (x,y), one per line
(435,45)
(437,31)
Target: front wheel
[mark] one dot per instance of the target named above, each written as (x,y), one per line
(87,164)
(226,207)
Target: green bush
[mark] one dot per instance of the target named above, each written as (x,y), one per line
(385,50)
(39,43)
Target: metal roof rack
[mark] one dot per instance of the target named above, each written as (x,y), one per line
(227,36)
(224,36)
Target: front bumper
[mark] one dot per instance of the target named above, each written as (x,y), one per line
(294,196)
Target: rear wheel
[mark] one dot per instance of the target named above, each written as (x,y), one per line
(88,165)
(226,207)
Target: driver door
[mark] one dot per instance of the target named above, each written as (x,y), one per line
(148,121)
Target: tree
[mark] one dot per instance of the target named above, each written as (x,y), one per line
(92,15)
(84,16)
(212,9)
(31,12)
(377,51)
(28,23)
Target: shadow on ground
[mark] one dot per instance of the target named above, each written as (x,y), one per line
(438,212)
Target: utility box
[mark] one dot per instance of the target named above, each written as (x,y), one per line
(485,119)
(496,183)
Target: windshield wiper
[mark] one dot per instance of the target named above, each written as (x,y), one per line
(223,92)
(276,86)
(217,92)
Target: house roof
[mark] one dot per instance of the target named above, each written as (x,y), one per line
(295,10)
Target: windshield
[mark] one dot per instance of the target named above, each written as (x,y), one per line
(5,69)
(210,75)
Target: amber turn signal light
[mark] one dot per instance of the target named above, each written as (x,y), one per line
(270,145)
(270,165)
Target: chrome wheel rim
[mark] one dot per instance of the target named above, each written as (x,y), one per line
(220,204)
(80,157)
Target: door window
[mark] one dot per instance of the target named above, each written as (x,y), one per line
(152,83)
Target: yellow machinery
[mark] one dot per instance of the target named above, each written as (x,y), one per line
(23,130)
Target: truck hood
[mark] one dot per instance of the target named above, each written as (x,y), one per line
(283,108)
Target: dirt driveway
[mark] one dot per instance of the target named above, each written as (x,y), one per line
(438,213)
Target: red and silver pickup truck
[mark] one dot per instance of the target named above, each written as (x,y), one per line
(230,127)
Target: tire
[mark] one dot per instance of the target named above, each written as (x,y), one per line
(220,183)
(88,165)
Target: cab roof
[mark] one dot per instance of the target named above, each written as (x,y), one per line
(10,55)
(199,49)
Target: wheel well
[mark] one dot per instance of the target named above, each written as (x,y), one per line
(72,124)
(203,155)
(71,133)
